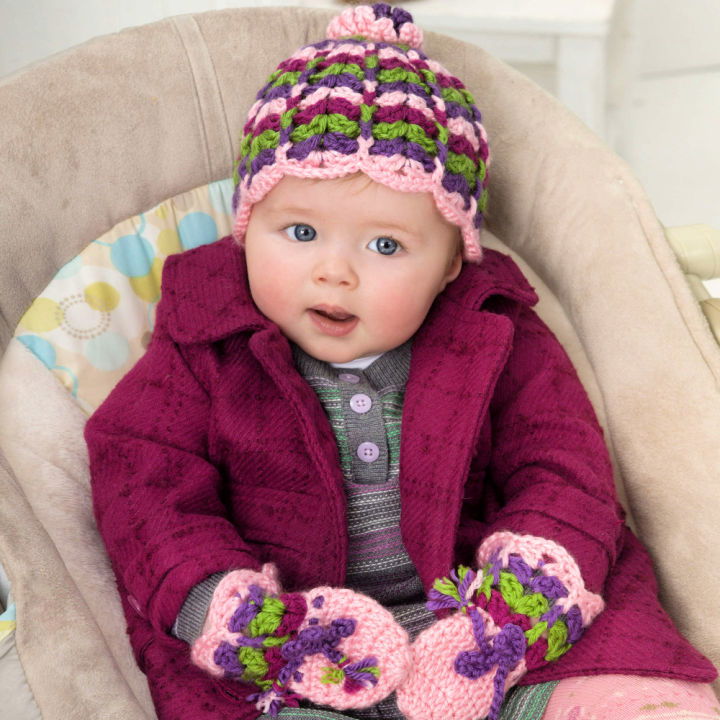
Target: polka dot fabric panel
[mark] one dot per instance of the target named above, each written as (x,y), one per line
(94,320)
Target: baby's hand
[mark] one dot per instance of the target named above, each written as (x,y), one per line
(331,646)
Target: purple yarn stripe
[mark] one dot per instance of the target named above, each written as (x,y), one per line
(299,151)
(518,567)
(281,91)
(264,157)
(548,585)
(247,610)
(338,142)
(458,184)
(574,622)
(401,146)
(341,80)
(552,615)
(454,109)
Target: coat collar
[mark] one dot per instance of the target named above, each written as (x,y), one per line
(210,299)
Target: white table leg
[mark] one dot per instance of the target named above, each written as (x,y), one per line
(581,81)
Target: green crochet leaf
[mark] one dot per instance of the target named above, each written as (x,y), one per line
(557,641)
(268,619)
(534,633)
(255,665)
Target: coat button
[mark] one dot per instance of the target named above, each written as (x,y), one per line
(360,403)
(349,377)
(368,452)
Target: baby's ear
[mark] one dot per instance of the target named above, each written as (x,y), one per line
(454,267)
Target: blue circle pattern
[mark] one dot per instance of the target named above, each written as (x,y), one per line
(132,255)
(196,229)
(108,351)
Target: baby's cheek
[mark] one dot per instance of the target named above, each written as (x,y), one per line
(400,315)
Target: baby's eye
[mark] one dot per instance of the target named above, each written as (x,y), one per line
(385,245)
(301,232)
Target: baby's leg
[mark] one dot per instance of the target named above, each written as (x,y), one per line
(631,697)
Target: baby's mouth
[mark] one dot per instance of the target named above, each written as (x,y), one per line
(337,314)
(333,321)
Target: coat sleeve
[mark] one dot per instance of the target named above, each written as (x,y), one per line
(157,498)
(549,461)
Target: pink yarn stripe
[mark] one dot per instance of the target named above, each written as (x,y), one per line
(321,93)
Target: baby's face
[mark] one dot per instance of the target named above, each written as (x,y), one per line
(348,267)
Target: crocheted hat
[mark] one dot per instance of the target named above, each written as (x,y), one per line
(368,99)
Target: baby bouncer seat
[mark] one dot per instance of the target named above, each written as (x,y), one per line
(118,152)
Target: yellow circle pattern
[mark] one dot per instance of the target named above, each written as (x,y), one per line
(42,316)
(102,296)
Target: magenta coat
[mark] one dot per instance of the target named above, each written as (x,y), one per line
(213,453)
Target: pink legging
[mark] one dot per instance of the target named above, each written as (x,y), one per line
(630,697)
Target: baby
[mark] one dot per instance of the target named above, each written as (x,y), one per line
(355,474)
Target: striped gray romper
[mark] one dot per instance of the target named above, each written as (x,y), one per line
(364,408)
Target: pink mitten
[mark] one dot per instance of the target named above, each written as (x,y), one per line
(526,607)
(331,646)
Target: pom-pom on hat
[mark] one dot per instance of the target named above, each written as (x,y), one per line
(367,98)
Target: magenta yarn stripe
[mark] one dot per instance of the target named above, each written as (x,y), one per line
(394,113)
(460,145)
(398,62)
(325,107)
(449,81)
(269,122)
(344,58)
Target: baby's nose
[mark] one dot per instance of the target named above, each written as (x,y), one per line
(335,270)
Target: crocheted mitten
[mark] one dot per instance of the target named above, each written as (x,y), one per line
(525,607)
(331,646)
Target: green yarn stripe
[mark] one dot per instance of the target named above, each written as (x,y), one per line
(463,165)
(339,69)
(251,146)
(287,78)
(459,96)
(398,74)
(401,128)
(320,124)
